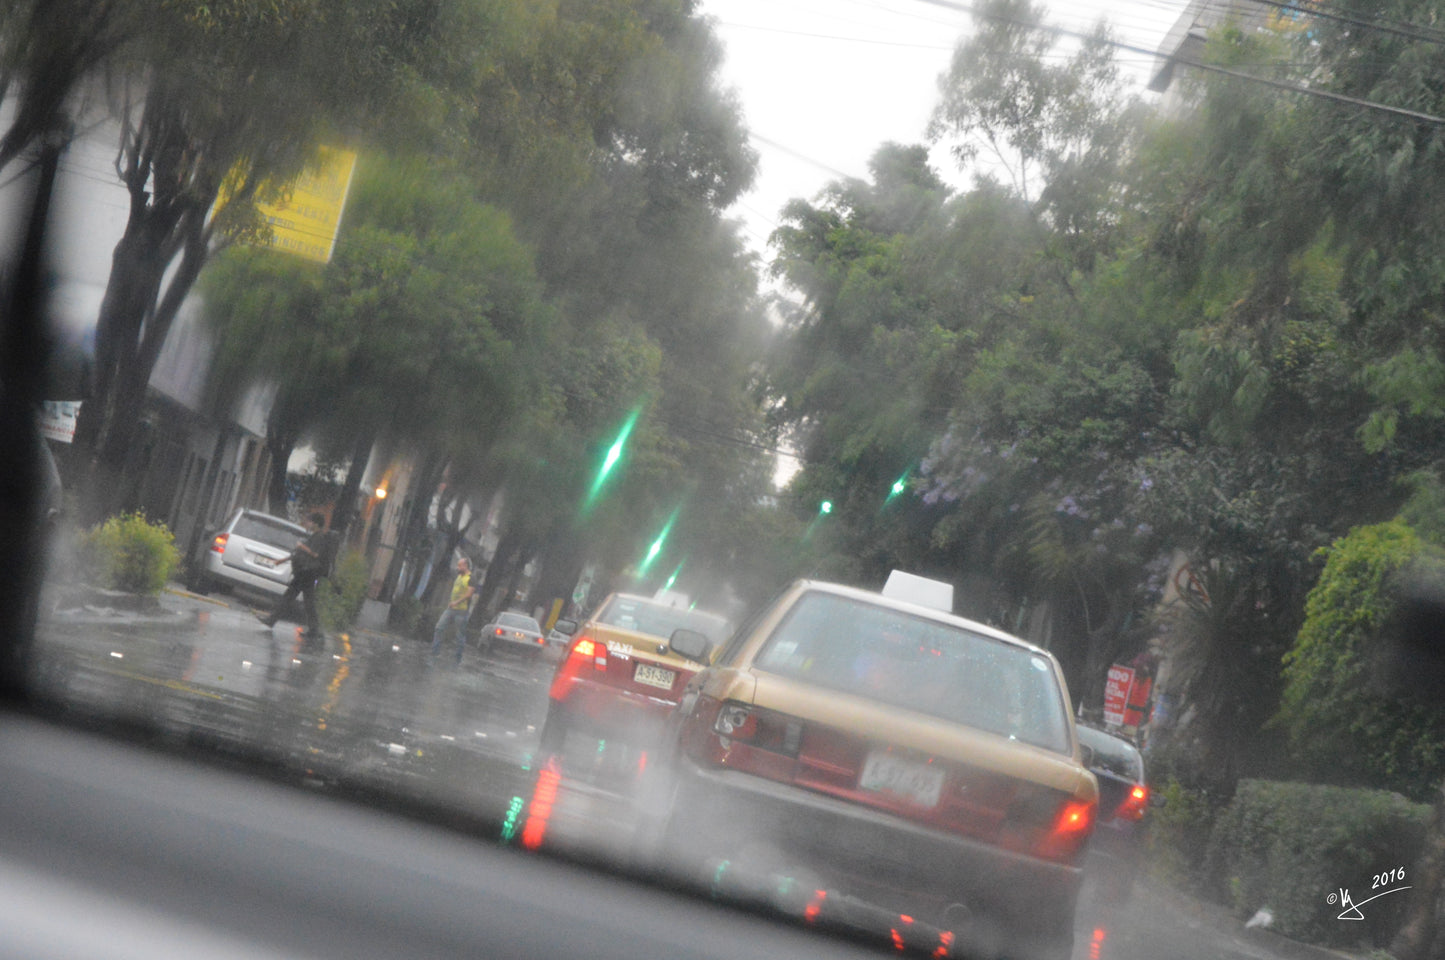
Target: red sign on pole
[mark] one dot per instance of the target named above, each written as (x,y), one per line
(1116,694)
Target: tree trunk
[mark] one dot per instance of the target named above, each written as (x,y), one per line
(345,510)
(413,525)
(500,570)
(280,447)
(563,557)
(134,320)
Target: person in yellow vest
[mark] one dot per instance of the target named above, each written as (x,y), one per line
(454,617)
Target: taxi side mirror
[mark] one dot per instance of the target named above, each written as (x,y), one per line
(568,627)
(690,644)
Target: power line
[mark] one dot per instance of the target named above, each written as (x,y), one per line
(800,156)
(1185,61)
(829,36)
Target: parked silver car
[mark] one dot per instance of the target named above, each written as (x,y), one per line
(514,631)
(252,551)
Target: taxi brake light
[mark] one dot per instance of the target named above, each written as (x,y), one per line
(1071,827)
(1074,817)
(218,545)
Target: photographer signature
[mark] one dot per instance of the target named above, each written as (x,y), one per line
(1352,909)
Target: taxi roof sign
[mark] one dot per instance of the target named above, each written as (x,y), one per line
(920,590)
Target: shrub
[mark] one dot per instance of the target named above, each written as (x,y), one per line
(1179,830)
(410,618)
(339,600)
(1291,846)
(129,553)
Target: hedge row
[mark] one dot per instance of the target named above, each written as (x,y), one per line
(1294,847)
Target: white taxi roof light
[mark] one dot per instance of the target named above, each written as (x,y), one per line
(920,590)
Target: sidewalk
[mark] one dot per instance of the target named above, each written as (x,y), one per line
(1223,920)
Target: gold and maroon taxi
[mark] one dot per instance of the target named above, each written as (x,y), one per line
(621,677)
(886,752)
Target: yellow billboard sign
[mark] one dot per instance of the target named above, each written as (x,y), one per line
(305,222)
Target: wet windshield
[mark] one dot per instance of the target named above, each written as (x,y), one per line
(1120,322)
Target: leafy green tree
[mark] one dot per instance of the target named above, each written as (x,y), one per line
(49,51)
(1329,700)
(239,96)
(419,333)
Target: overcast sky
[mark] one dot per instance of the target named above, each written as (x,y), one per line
(824,82)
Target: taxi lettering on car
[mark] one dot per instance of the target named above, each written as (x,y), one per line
(890,752)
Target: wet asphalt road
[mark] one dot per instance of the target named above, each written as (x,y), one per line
(370,710)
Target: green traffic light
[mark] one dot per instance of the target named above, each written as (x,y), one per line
(826,506)
(899,485)
(656,547)
(614,454)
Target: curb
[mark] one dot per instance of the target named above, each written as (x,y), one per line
(1293,949)
(188,595)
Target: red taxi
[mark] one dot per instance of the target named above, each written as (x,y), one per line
(620,678)
(874,750)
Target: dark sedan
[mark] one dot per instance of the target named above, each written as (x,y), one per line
(1116,848)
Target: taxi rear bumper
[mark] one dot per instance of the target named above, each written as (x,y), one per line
(868,853)
(594,705)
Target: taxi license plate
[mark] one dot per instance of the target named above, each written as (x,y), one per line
(653,676)
(918,782)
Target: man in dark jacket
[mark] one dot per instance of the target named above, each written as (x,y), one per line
(310,561)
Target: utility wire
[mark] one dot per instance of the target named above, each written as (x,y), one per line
(806,159)
(1208,67)
(827,36)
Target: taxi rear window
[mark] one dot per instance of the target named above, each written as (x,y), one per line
(1112,754)
(660,620)
(908,661)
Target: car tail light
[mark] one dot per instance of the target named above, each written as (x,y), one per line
(218,543)
(585,648)
(757,728)
(585,656)
(736,720)
(1071,827)
(1135,803)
